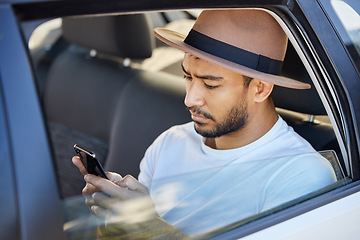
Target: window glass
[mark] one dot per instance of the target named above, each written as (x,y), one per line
(345,16)
(206,203)
(116,105)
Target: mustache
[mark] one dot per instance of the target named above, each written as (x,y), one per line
(199,111)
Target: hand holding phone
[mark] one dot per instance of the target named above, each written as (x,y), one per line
(90,162)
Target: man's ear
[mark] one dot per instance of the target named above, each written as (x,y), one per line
(262,90)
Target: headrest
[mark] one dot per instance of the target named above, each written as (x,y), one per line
(125,36)
(304,101)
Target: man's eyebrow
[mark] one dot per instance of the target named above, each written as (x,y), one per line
(209,77)
(205,77)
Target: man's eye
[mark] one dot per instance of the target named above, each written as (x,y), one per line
(210,87)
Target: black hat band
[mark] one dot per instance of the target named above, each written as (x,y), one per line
(231,53)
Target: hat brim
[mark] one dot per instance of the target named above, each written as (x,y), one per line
(176,40)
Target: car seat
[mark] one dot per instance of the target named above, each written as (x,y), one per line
(95,98)
(300,108)
(292,104)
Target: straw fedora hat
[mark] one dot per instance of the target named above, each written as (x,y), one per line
(246,41)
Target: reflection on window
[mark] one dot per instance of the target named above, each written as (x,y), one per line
(350,20)
(206,203)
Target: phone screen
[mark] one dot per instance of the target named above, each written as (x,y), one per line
(90,162)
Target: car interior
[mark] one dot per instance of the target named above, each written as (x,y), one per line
(114,90)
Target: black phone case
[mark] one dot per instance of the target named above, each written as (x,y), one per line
(90,162)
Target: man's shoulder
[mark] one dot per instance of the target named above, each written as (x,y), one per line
(296,176)
(311,166)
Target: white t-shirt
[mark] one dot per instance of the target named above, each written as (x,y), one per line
(198,189)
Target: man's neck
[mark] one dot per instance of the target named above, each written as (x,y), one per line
(256,127)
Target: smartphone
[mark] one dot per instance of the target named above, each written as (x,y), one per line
(90,162)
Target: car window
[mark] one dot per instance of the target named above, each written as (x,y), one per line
(118,104)
(207,203)
(345,16)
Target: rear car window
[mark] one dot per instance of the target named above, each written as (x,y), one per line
(345,16)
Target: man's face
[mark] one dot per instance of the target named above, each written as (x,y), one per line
(215,96)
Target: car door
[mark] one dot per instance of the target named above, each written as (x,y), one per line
(33,201)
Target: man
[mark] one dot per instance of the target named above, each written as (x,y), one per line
(238,157)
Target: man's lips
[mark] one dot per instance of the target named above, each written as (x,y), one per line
(197,117)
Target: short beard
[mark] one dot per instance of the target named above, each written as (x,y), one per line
(237,119)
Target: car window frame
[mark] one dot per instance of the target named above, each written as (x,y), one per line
(9,198)
(332,194)
(27,141)
(352,76)
(334,59)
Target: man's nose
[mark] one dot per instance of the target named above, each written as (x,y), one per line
(194,94)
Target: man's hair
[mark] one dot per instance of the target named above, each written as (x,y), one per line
(247,80)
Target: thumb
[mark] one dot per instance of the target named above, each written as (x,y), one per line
(114,177)
(131,183)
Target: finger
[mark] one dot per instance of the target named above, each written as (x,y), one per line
(87,192)
(97,199)
(102,200)
(114,177)
(89,189)
(106,186)
(78,163)
(100,212)
(89,202)
(132,184)
(113,206)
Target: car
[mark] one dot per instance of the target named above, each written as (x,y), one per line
(70,75)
